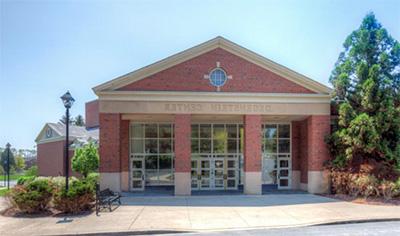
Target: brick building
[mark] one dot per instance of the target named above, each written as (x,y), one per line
(51,141)
(214,117)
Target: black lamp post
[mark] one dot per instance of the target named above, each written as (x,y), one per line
(68,100)
(8,145)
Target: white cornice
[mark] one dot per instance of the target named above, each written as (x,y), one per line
(217,42)
(168,96)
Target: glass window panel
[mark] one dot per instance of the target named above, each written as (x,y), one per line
(151,131)
(195,146)
(284,146)
(219,146)
(137,130)
(269,170)
(137,164)
(270,145)
(283,163)
(151,145)
(194,164)
(205,131)
(205,174)
(205,183)
(194,174)
(231,173)
(205,145)
(137,174)
(232,131)
(165,162)
(205,164)
(219,173)
(284,131)
(137,184)
(219,163)
(165,177)
(231,164)
(219,183)
(270,131)
(165,146)
(218,130)
(194,183)
(165,131)
(137,146)
(232,146)
(195,131)
(241,133)
(284,173)
(151,163)
(151,177)
(284,182)
(231,183)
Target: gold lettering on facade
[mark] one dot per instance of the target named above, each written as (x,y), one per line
(218,108)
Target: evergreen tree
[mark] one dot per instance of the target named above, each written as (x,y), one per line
(366,81)
(79,121)
(4,158)
(64,120)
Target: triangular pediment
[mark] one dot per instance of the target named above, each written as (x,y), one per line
(172,73)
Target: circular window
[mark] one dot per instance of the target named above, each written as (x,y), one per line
(218,77)
(49,133)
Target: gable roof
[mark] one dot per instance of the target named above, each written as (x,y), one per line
(218,42)
(75,132)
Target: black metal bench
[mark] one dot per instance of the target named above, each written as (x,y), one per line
(106,198)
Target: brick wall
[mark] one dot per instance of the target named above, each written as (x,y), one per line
(252,143)
(124,145)
(318,153)
(109,150)
(50,158)
(92,114)
(182,143)
(189,76)
(303,152)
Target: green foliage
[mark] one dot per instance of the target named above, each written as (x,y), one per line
(33,171)
(366,80)
(79,121)
(33,196)
(1,170)
(25,179)
(86,159)
(80,196)
(19,163)
(93,177)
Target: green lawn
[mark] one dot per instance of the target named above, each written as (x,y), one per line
(3,191)
(12,177)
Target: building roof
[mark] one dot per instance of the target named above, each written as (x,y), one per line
(218,42)
(75,132)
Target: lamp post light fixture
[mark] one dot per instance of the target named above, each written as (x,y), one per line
(68,101)
(8,146)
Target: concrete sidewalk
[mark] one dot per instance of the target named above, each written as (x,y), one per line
(203,213)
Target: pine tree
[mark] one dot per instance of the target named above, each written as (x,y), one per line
(366,81)
(79,121)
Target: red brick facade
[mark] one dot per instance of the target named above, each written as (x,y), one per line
(92,114)
(49,161)
(124,145)
(110,150)
(252,143)
(182,143)
(318,153)
(189,76)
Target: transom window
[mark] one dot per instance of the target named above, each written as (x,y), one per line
(154,143)
(218,77)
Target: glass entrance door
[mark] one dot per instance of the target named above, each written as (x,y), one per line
(215,173)
(137,174)
(283,172)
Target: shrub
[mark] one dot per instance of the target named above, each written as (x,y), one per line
(86,159)
(93,178)
(25,179)
(363,185)
(33,196)
(33,171)
(340,181)
(80,197)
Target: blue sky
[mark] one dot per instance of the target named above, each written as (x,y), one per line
(48,47)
